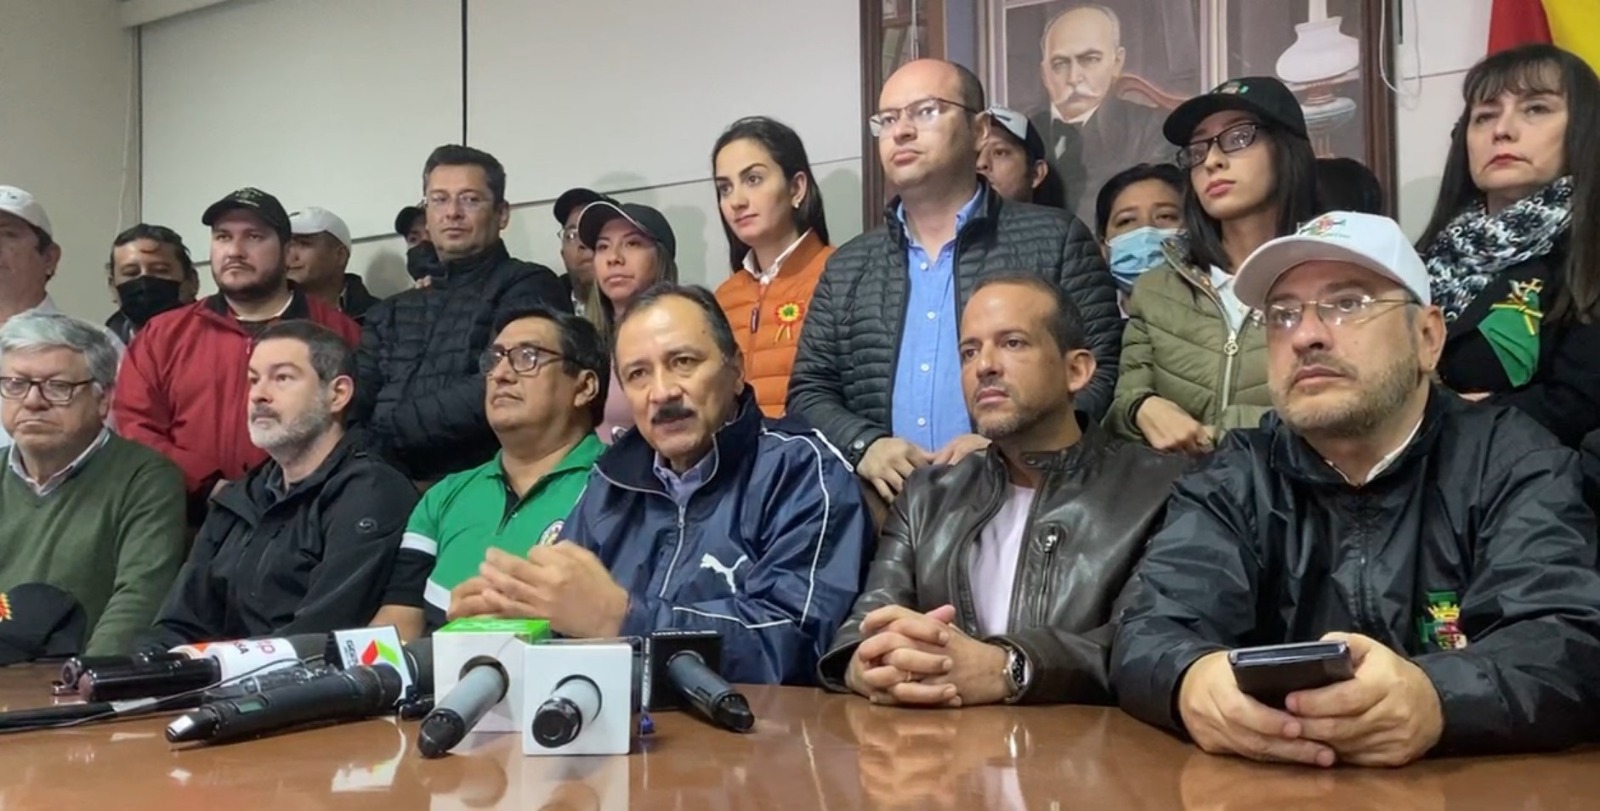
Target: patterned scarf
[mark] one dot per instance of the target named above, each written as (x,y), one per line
(1475,246)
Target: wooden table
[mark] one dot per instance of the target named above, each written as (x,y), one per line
(809,750)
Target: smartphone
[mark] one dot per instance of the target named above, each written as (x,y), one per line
(1271,672)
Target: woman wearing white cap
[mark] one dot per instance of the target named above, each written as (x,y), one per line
(634,248)
(1193,356)
(1513,249)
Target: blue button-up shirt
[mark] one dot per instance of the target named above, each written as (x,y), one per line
(929,409)
(682,488)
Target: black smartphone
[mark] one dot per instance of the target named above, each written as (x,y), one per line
(1271,672)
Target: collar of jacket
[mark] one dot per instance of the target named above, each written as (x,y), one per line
(254,499)
(217,305)
(486,260)
(630,461)
(1087,451)
(987,212)
(1295,458)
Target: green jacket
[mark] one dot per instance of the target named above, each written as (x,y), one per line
(1177,345)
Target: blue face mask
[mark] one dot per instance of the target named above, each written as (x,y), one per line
(1133,253)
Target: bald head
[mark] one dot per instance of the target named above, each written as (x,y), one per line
(1093,18)
(936,78)
(1083,57)
(937,148)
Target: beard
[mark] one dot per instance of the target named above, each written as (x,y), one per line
(1374,400)
(1022,418)
(285,437)
(265,284)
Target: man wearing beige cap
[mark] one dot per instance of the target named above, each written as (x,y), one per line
(319,252)
(1440,546)
(28,253)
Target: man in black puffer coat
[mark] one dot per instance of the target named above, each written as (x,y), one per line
(418,387)
(881,381)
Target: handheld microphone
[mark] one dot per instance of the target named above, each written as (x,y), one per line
(73,669)
(708,692)
(483,684)
(561,718)
(190,667)
(351,694)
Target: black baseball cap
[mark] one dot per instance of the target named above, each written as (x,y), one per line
(407,216)
(264,205)
(574,198)
(39,621)
(1263,96)
(643,217)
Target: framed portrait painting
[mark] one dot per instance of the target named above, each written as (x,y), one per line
(1098,79)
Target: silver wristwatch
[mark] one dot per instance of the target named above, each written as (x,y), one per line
(1017,673)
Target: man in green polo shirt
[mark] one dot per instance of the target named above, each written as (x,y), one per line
(545,382)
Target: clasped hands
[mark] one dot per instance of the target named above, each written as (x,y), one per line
(1389,714)
(562,583)
(924,660)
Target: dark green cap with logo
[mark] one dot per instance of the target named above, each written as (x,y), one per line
(1263,96)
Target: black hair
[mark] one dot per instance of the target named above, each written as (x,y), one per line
(1052,190)
(41,237)
(331,357)
(457,155)
(716,319)
(1065,324)
(1346,184)
(1106,199)
(1294,193)
(582,349)
(1538,69)
(789,153)
(971,88)
(161,235)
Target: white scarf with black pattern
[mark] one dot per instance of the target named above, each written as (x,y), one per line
(1476,245)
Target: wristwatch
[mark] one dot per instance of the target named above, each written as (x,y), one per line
(1017,673)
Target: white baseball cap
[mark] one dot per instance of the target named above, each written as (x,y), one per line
(20,203)
(1373,242)
(313,220)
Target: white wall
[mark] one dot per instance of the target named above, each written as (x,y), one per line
(1441,40)
(67,79)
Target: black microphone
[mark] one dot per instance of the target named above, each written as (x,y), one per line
(574,704)
(179,671)
(73,669)
(347,695)
(708,692)
(483,684)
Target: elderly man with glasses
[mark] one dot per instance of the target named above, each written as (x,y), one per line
(82,509)
(544,391)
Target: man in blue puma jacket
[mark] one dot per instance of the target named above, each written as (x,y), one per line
(704,517)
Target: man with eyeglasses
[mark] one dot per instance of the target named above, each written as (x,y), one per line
(82,509)
(419,389)
(877,370)
(575,256)
(545,379)
(1446,543)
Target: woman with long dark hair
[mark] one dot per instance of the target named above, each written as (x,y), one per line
(777,245)
(1193,357)
(1513,248)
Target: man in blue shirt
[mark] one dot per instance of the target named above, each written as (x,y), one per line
(705,516)
(877,370)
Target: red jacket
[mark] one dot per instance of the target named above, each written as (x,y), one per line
(184,388)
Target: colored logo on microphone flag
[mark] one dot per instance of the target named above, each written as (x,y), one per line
(377,651)
(5,608)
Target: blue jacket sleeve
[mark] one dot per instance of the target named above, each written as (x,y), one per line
(814,540)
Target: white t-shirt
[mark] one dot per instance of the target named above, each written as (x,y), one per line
(1232,308)
(992,567)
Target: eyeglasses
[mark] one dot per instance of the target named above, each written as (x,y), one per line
(922,114)
(1230,140)
(1335,312)
(55,392)
(525,360)
(468,201)
(567,235)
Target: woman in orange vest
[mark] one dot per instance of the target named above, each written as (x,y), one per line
(778,244)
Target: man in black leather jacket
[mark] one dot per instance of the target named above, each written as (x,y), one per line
(1445,542)
(419,390)
(1017,553)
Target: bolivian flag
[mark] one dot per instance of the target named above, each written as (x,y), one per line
(1570,24)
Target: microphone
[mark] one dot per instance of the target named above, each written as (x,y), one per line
(187,667)
(708,692)
(73,669)
(483,684)
(348,695)
(561,718)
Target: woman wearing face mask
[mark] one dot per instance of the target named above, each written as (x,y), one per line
(151,273)
(633,249)
(1193,357)
(1012,159)
(1135,213)
(777,243)
(1513,249)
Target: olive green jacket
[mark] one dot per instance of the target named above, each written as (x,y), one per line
(1177,345)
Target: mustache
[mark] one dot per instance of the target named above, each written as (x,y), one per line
(670,413)
(259,413)
(1325,360)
